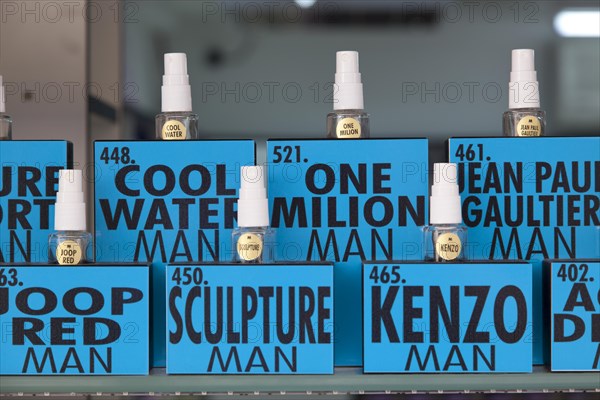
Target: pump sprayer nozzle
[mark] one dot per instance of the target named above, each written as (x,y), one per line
(70,183)
(349,89)
(175,64)
(445,178)
(2,97)
(253,205)
(347,62)
(253,184)
(69,210)
(524,87)
(444,204)
(523,60)
(176,90)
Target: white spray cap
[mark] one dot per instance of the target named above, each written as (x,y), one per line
(2,97)
(444,203)
(253,205)
(176,93)
(69,210)
(348,90)
(524,87)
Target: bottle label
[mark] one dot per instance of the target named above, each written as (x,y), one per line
(348,128)
(448,246)
(68,253)
(174,130)
(249,247)
(529,126)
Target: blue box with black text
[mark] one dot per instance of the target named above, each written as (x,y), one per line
(275,318)
(530,198)
(28,185)
(572,314)
(90,319)
(425,317)
(346,201)
(165,202)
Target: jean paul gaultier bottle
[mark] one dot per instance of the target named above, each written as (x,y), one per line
(253,240)
(177,121)
(524,117)
(71,243)
(348,119)
(5,120)
(445,237)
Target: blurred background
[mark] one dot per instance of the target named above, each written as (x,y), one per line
(91,70)
(87,70)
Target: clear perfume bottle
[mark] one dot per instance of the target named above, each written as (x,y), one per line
(253,240)
(348,119)
(348,124)
(524,117)
(177,121)
(71,244)
(5,120)
(445,239)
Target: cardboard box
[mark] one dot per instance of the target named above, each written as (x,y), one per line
(572,311)
(28,185)
(250,318)
(90,319)
(166,201)
(472,317)
(345,201)
(530,199)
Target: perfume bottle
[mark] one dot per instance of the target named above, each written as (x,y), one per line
(71,243)
(177,121)
(445,237)
(253,239)
(524,117)
(348,119)
(5,120)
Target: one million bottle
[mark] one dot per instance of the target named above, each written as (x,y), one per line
(348,119)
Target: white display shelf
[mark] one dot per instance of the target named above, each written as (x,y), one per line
(345,380)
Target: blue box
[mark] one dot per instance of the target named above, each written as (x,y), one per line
(573,312)
(28,185)
(250,319)
(345,201)
(166,201)
(88,319)
(512,181)
(470,317)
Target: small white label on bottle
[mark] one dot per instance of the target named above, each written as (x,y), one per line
(529,126)
(348,128)
(249,247)
(448,246)
(174,130)
(68,253)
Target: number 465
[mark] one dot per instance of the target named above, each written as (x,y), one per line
(384,276)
